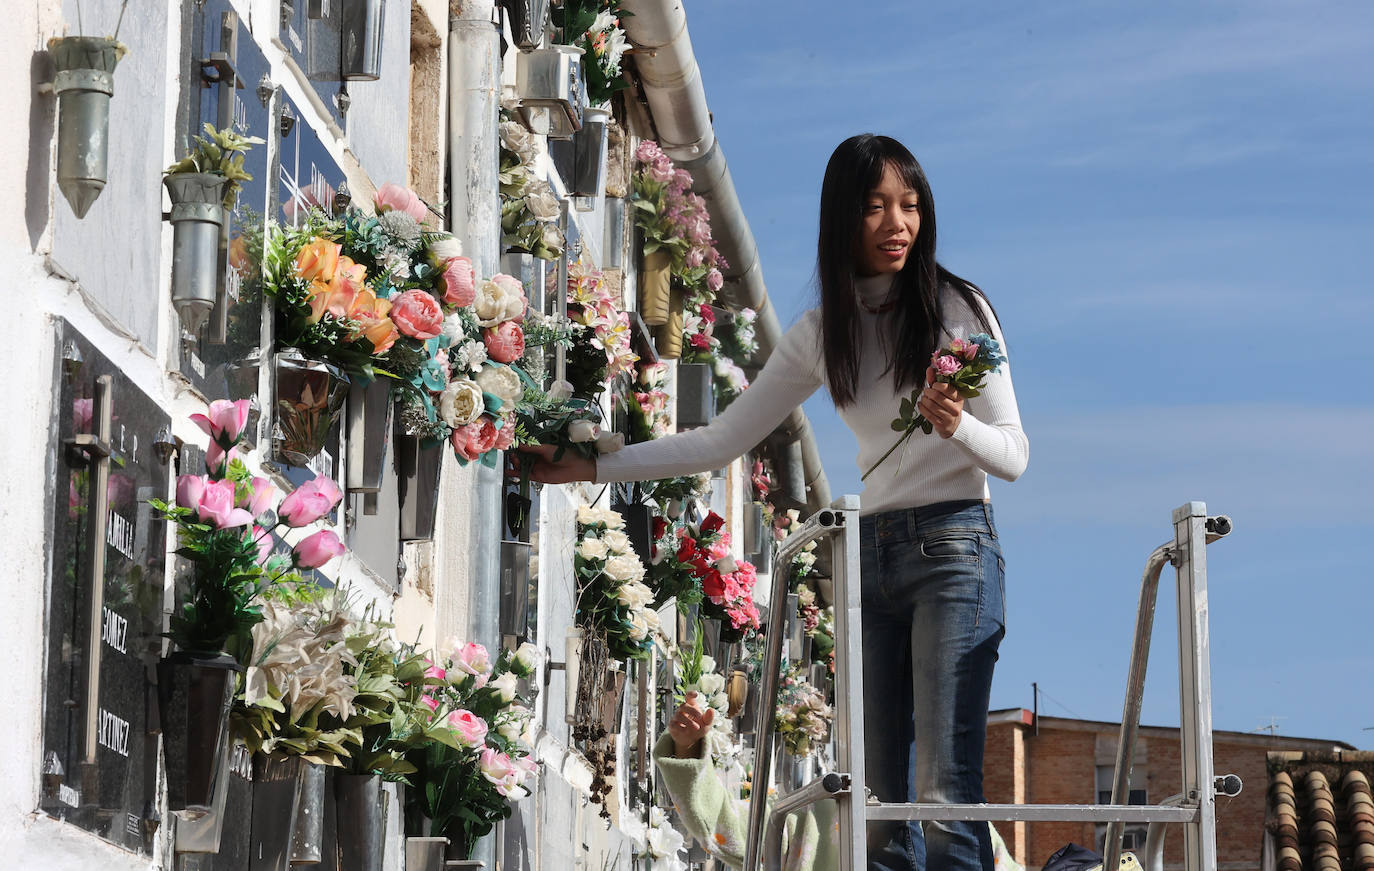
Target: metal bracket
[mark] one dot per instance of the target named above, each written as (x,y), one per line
(218,69)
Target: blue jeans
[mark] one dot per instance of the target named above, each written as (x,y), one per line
(933,616)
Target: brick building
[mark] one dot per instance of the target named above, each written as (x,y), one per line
(1067,761)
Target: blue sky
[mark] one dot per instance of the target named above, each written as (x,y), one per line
(1170,206)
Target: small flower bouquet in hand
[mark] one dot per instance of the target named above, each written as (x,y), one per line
(963,363)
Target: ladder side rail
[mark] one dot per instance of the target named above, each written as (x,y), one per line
(1135,693)
(849,689)
(1195,685)
(774,634)
(817,790)
(1033,813)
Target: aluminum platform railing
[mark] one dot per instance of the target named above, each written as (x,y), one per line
(1194,808)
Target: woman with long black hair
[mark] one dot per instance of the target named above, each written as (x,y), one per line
(932,570)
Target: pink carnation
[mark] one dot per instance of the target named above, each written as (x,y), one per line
(505,342)
(417,314)
(947,365)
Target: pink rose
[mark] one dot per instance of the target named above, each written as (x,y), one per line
(217,460)
(970,351)
(499,769)
(474,439)
(217,506)
(714,280)
(417,314)
(225,422)
(470,728)
(434,671)
(459,287)
(402,199)
(505,342)
(505,436)
(947,365)
(318,549)
(309,502)
(472,658)
(263,539)
(260,500)
(430,702)
(189,490)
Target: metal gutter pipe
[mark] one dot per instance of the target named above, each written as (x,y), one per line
(671,83)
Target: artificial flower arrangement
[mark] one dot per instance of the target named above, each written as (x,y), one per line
(612,599)
(727,585)
(675,220)
(963,363)
(594,27)
(225,522)
(475,758)
(702,346)
(601,343)
(803,718)
(656,841)
(696,672)
(530,210)
(298,691)
(647,403)
(218,152)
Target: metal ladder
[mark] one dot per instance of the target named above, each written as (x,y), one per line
(1194,808)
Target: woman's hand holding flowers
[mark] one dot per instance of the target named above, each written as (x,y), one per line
(941,404)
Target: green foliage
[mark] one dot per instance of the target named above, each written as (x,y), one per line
(219,152)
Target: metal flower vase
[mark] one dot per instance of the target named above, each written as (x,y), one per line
(515,588)
(418,471)
(359,822)
(696,400)
(589,153)
(307,836)
(309,395)
(369,432)
(361,34)
(277,783)
(425,854)
(197,219)
(655,291)
(83,84)
(195,692)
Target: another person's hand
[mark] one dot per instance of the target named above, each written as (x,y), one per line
(570,467)
(688,726)
(941,405)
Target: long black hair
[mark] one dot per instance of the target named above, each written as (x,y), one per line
(916,322)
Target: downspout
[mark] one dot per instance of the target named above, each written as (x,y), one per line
(671,84)
(474,64)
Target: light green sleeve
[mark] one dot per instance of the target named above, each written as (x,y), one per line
(711,816)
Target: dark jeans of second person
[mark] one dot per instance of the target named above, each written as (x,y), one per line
(933,617)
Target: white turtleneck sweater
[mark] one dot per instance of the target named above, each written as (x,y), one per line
(925,470)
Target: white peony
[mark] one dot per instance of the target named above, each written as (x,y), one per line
(592,549)
(443,249)
(580,431)
(461,403)
(503,383)
(500,298)
(624,568)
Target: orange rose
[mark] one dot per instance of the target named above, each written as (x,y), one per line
(318,260)
(370,313)
(350,273)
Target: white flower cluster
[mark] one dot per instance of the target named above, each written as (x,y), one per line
(298,661)
(735,377)
(657,841)
(605,548)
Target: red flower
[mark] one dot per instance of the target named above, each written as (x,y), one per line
(700,341)
(686,550)
(660,527)
(712,584)
(707,313)
(712,523)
